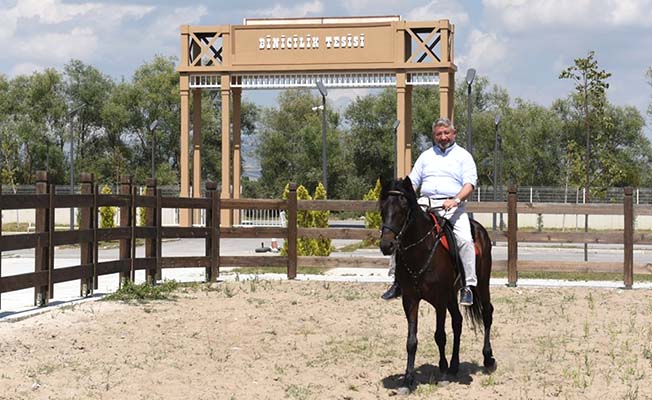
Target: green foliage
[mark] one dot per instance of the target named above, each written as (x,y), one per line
(144,292)
(320,220)
(372,219)
(107,213)
(310,219)
(290,145)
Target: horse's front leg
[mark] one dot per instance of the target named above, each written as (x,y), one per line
(411,308)
(456,322)
(440,338)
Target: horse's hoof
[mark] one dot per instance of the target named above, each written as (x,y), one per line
(490,364)
(403,390)
(444,381)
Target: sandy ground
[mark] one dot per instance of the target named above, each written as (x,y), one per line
(319,340)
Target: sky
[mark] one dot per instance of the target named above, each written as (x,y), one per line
(520,45)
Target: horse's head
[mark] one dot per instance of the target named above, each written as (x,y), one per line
(397,204)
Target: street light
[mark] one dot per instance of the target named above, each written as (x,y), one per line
(72,161)
(324,93)
(395,151)
(496,143)
(470,76)
(152,129)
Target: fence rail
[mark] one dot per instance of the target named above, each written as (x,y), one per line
(45,238)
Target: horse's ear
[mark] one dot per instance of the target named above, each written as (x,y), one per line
(407,183)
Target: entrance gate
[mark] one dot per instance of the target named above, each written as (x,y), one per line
(351,52)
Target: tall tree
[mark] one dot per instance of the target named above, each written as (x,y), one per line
(591,97)
(290,145)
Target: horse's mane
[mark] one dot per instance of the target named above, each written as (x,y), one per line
(403,185)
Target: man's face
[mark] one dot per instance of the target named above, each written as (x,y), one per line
(443,136)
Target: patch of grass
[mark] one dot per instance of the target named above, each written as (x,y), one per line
(278,270)
(350,248)
(573,276)
(144,292)
(298,392)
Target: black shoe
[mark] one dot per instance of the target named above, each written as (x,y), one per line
(393,292)
(466,296)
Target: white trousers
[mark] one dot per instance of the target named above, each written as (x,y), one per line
(458,217)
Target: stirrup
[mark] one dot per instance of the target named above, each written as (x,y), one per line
(466,296)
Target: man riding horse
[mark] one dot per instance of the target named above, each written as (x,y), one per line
(447,175)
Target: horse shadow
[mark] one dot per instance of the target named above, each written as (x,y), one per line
(428,374)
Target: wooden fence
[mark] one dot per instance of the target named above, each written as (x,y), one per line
(89,235)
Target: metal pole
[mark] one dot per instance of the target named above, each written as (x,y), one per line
(495,174)
(153,155)
(469,137)
(323,142)
(72,173)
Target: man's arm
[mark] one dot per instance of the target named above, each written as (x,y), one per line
(462,195)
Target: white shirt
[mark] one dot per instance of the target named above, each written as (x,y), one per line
(441,174)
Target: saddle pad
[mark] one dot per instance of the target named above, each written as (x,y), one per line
(444,240)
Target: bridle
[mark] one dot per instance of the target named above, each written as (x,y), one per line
(398,232)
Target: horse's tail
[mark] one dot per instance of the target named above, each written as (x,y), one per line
(474,312)
(481,293)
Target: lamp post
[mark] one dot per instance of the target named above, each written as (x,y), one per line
(324,93)
(152,129)
(395,151)
(72,162)
(496,142)
(470,76)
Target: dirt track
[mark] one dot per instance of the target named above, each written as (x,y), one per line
(313,340)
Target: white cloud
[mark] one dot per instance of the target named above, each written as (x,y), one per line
(519,15)
(168,25)
(439,9)
(486,50)
(298,10)
(26,69)
(59,47)
(362,7)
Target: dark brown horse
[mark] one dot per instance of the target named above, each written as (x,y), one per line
(426,271)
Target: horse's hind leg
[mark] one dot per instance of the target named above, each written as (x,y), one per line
(487,319)
(440,338)
(456,322)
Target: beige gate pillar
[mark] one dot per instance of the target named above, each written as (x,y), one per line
(196,151)
(446,94)
(404,131)
(237,170)
(184,214)
(225,193)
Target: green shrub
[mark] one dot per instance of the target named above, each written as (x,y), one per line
(107,213)
(320,220)
(372,219)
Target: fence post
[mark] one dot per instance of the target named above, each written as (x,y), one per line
(42,253)
(150,242)
(0,240)
(88,216)
(512,231)
(628,239)
(292,231)
(213,239)
(159,235)
(125,222)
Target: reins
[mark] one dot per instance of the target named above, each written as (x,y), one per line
(401,249)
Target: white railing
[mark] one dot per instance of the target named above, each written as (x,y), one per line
(262,218)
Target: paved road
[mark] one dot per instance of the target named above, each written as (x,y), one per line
(20,302)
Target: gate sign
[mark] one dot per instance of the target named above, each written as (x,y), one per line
(313,45)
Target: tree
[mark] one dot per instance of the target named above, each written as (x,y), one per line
(290,145)
(87,90)
(591,88)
